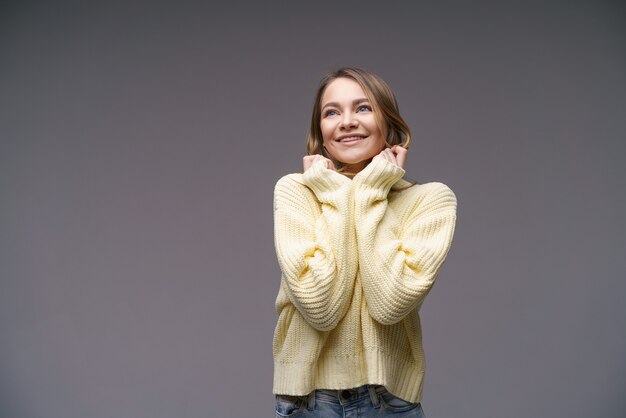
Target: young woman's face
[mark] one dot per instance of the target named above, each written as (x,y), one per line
(349,129)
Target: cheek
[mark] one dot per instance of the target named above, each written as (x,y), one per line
(327,131)
(379,127)
(382,136)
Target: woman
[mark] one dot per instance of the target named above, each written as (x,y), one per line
(359,249)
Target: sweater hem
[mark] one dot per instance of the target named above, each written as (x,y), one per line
(374,368)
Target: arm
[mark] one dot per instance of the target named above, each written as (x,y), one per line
(316,246)
(400,254)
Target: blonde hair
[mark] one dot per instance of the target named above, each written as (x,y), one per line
(383,103)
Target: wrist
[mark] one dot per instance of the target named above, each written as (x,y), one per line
(324,181)
(379,174)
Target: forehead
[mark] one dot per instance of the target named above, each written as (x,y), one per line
(342,90)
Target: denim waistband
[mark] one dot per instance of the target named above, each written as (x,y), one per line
(344,396)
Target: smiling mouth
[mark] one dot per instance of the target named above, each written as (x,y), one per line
(351,138)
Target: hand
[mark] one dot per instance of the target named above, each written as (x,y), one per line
(395,155)
(309,160)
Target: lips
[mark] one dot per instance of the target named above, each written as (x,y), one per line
(352,138)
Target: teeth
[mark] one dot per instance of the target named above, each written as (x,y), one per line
(350,138)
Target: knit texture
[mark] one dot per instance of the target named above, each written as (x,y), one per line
(358,256)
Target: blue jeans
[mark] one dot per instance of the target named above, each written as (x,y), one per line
(366,401)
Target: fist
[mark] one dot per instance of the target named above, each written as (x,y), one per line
(309,160)
(396,155)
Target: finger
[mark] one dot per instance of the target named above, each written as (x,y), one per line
(318,157)
(397,149)
(401,155)
(306,162)
(309,160)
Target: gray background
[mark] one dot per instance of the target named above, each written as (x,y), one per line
(140,142)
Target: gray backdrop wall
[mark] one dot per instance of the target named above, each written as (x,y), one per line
(140,143)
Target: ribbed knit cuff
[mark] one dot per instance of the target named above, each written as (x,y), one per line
(324,182)
(378,177)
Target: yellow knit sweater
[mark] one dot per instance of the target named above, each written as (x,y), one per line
(358,256)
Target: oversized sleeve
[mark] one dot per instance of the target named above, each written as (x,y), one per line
(314,239)
(400,252)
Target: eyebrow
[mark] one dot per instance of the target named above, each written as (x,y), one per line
(354,102)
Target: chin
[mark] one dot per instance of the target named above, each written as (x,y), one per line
(354,160)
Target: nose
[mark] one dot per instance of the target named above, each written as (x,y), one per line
(348,121)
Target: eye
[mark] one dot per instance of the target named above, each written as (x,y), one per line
(364,108)
(330,112)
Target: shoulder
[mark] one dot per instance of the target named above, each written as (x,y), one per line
(289,181)
(291,190)
(438,192)
(422,199)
